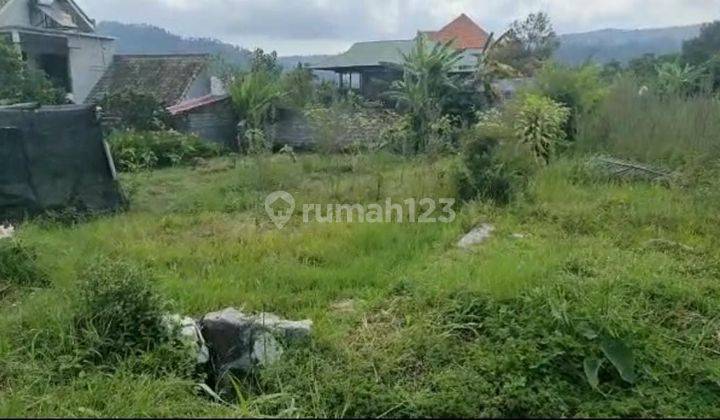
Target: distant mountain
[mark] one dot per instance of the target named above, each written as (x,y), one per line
(601,46)
(148,39)
(606,45)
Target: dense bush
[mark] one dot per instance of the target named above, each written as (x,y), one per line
(18,265)
(299,87)
(140,150)
(342,127)
(493,166)
(131,110)
(579,89)
(120,314)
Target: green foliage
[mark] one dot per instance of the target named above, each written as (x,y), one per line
(432,331)
(255,96)
(703,48)
(19,265)
(493,165)
(426,87)
(263,62)
(257,142)
(340,127)
(130,110)
(669,130)
(326,93)
(540,123)
(675,79)
(142,150)
(19,83)
(119,313)
(299,87)
(527,44)
(578,89)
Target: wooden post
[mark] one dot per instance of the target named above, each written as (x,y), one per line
(341,80)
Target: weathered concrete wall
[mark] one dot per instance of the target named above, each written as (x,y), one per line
(215,123)
(293,129)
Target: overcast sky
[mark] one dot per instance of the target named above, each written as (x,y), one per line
(330,26)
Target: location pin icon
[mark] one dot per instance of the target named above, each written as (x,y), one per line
(280,206)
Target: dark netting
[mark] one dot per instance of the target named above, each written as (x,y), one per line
(54,158)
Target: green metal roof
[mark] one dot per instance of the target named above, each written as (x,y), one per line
(379,53)
(374,53)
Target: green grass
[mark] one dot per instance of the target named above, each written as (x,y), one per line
(436,331)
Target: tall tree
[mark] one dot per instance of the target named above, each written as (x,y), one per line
(703,48)
(527,44)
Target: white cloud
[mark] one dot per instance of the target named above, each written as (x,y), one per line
(314,26)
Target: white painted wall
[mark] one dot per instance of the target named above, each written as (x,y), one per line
(89,59)
(15,13)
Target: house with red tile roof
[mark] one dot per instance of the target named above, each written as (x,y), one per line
(463,31)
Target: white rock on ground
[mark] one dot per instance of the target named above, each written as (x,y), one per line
(476,236)
(6,231)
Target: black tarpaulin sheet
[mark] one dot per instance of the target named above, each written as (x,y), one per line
(54,158)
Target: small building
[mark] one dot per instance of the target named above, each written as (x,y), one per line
(210,117)
(171,79)
(56,36)
(370,67)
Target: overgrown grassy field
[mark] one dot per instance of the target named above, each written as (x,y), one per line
(406,324)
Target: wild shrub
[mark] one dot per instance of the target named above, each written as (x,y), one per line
(120,314)
(19,266)
(299,87)
(579,89)
(142,150)
(341,128)
(539,123)
(493,165)
(670,130)
(130,110)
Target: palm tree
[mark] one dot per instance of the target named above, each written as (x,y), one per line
(427,82)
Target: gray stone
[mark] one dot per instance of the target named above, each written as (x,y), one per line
(240,343)
(476,236)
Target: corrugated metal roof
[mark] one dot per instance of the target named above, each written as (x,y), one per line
(196,103)
(365,54)
(378,53)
